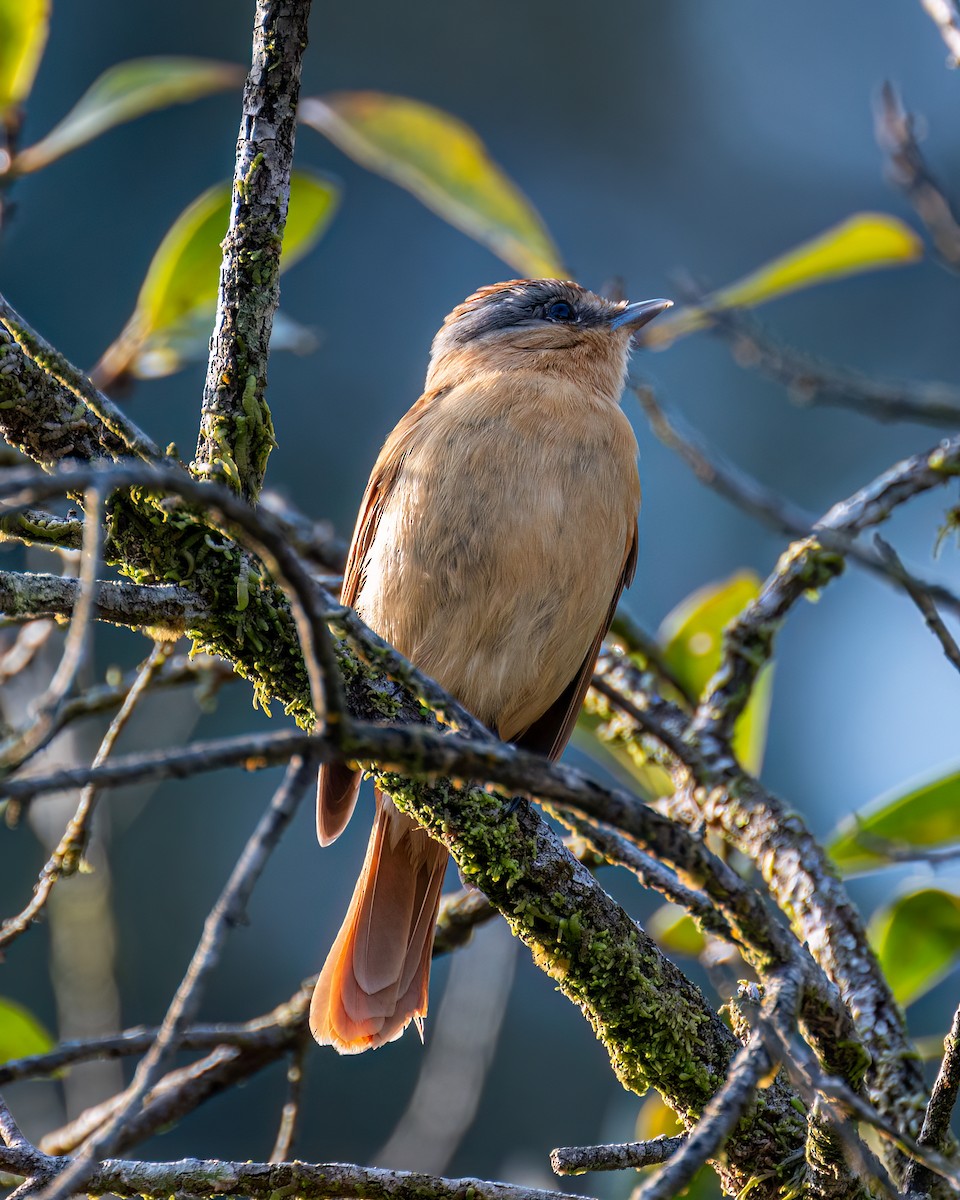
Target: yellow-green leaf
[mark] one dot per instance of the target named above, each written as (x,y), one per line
(179,293)
(675,931)
(124,92)
(23,35)
(692,640)
(923,815)
(21,1033)
(864,242)
(444,164)
(917,939)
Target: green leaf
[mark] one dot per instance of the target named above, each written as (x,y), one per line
(24,25)
(444,164)
(864,242)
(692,640)
(675,931)
(178,299)
(124,92)
(20,1032)
(925,816)
(917,939)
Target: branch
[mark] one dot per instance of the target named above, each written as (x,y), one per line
(168,607)
(313,1181)
(615,1156)
(236,430)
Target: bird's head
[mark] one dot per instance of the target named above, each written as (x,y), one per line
(549,325)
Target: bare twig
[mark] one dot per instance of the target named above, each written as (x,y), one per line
(922,600)
(615,1156)
(909,172)
(290,1113)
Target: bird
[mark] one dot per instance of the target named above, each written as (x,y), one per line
(495,536)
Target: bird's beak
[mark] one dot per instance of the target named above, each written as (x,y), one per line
(635,316)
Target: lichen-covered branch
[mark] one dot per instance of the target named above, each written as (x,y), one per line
(236,430)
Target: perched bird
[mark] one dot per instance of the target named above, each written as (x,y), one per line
(496,534)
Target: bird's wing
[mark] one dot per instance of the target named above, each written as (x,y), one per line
(549,733)
(338,784)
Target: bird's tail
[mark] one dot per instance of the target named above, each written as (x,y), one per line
(375,979)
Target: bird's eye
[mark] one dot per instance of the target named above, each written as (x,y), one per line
(560,310)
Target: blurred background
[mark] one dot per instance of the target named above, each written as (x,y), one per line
(655,137)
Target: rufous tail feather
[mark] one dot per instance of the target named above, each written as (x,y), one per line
(375,979)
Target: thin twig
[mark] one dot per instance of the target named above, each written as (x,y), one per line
(66,857)
(290,1113)
(922,600)
(943,1099)
(614,1156)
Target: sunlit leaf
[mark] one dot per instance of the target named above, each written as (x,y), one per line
(124,92)
(864,242)
(444,164)
(20,1032)
(172,319)
(23,35)
(674,930)
(692,639)
(917,939)
(924,816)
